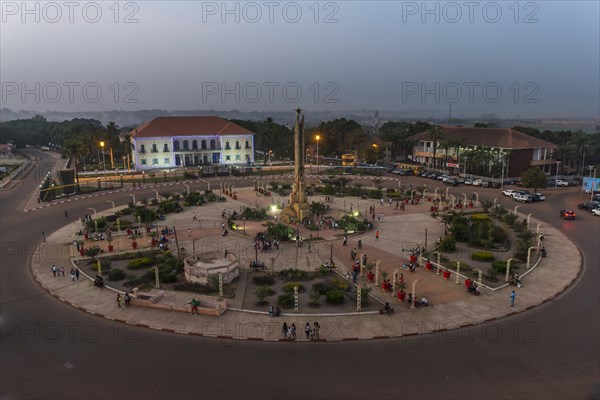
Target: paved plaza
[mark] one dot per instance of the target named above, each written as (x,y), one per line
(450,305)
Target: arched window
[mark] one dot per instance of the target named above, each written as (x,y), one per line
(176,145)
(186,145)
(194,144)
(213,144)
(203,144)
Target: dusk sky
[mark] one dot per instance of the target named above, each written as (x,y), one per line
(512,59)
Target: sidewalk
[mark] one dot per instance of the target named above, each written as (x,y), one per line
(451,306)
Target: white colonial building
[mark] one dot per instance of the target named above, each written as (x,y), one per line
(168,142)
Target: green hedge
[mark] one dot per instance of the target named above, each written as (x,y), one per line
(335,297)
(322,287)
(116,274)
(261,280)
(142,262)
(286,300)
(483,255)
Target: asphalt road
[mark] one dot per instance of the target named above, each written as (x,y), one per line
(50,350)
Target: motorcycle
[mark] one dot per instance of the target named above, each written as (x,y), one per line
(474,290)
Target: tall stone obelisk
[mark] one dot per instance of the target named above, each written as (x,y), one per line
(298,209)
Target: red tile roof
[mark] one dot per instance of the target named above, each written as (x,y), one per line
(188,126)
(490,137)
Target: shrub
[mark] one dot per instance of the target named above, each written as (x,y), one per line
(286,300)
(464,267)
(289,287)
(265,279)
(105,265)
(139,263)
(314,296)
(322,287)
(292,274)
(335,297)
(480,217)
(262,292)
(116,274)
(482,255)
(340,284)
(93,252)
(500,266)
(280,232)
(448,245)
(167,276)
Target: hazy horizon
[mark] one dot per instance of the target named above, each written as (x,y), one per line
(514,60)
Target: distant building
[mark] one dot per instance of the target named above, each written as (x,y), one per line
(521,151)
(168,142)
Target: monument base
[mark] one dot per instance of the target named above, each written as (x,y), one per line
(295,213)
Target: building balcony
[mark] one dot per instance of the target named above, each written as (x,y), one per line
(535,163)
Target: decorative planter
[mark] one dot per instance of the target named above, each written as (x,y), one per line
(134,245)
(82,252)
(370,276)
(154,242)
(235,196)
(129,231)
(86,236)
(428,266)
(111,247)
(401,295)
(147,229)
(446,275)
(413,258)
(468,282)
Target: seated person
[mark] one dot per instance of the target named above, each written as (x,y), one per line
(387,309)
(277,312)
(412,267)
(271,311)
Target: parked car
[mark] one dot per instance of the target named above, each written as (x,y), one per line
(567,214)
(460,179)
(538,197)
(588,206)
(451,181)
(596,211)
(523,198)
(486,184)
(477,182)
(519,192)
(468,181)
(562,183)
(508,192)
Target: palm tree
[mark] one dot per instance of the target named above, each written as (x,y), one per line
(435,135)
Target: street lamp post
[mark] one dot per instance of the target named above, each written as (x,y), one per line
(103,161)
(556,178)
(318,137)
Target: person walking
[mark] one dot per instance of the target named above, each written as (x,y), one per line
(77,273)
(72,275)
(316,329)
(377,235)
(44,237)
(62,271)
(513,295)
(119,300)
(194,303)
(194,216)
(54,270)
(127,300)
(307,330)
(345,243)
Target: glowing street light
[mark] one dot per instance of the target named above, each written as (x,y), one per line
(317,138)
(103,161)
